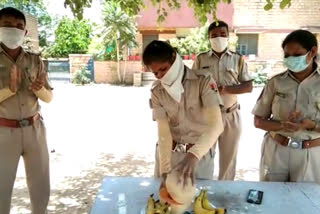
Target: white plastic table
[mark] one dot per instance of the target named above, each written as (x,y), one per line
(128,195)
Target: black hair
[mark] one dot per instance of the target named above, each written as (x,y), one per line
(217,24)
(10,11)
(157,51)
(303,37)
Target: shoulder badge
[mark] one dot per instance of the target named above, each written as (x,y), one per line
(213,86)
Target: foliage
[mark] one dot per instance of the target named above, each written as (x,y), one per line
(118,26)
(194,43)
(82,77)
(101,51)
(132,7)
(118,31)
(260,77)
(201,8)
(77,6)
(233,42)
(39,10)
(71,36)
(197,41)
(283,4)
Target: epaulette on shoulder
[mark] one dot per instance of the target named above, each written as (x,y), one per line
(201,53)
(33,53)
(236,53)
(155,84)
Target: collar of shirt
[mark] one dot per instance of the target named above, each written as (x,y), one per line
(287,72)
(212,53)
(3,51)
(188,75)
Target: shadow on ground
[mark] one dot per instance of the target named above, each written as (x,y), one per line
(75,194)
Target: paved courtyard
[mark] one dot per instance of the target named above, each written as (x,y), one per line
(102,130)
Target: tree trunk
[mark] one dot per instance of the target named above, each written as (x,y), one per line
(118,61)
(125,56)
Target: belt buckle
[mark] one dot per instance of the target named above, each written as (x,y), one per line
(180,148)
(24,123)
(295,143)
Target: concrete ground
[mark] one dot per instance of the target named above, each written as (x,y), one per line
(102,130)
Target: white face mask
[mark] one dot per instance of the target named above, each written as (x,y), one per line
(171,81)
(172,74)
(11,37)
(219,44)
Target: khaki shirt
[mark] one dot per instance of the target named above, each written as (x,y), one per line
(228,70)
(186,120)
(284,94)
(24,103)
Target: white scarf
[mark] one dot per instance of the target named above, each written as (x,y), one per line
(172,80)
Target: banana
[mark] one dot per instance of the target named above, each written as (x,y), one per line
(150,205)
(198,208)
(205,202)
(161,208)
(221,211)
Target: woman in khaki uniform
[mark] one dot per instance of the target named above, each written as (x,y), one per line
(186,106)
(230,72)
(289,110)
(23,82)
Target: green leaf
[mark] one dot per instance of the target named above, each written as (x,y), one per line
(268,6)
(285,3)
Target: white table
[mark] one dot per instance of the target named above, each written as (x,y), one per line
(128,195)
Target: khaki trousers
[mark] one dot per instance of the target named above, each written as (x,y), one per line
(204,169)
(30,143)
(280,163)
(228,143)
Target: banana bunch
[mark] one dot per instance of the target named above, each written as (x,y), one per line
(156,207)
(203,206)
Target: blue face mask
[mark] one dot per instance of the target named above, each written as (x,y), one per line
(296,63)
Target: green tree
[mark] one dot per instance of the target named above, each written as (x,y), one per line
(39,10)
(201,7)
(119,29)
(71,36)
(194,43)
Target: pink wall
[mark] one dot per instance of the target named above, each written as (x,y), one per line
(182,18)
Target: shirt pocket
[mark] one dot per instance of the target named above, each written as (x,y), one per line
(230,75)
(4,77)
(282,105)
(314,106)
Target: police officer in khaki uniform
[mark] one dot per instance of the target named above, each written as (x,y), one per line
(186,106)
(289,110)
(230,72)
(23,81)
